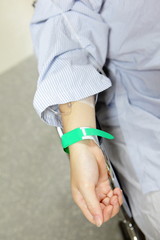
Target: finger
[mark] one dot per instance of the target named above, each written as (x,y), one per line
(102,190)
(107,212)
(102,206)
(119,193)
(106,201)
(100,195)
(116,207)
(89,195)
(79,200)
(110,193)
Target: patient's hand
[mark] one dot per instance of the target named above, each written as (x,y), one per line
(90,184)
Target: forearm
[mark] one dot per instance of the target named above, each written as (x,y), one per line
(79,114)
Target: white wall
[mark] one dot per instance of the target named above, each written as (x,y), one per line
(15,39)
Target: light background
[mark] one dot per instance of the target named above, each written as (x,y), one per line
(15,38)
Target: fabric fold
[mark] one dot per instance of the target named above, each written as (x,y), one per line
(69,52)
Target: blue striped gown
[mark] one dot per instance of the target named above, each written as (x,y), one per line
(73,40)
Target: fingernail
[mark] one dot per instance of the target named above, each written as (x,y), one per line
(98,221)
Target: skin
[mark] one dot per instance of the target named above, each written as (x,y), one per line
(89,179)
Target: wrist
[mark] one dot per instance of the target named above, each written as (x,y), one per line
(81,147)
(84,142)
(82,133)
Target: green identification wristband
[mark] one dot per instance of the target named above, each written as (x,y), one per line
(79,134)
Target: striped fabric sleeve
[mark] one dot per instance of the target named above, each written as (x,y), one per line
(70,41)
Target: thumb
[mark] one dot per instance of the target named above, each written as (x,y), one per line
(93,204)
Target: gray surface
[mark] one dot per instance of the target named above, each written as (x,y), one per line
(35,197)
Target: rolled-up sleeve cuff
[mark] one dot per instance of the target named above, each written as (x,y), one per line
(67,82)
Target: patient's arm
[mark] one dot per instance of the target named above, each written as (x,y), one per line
(90,185)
